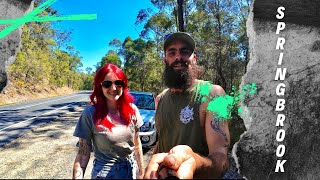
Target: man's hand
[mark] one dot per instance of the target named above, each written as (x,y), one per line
(179,159)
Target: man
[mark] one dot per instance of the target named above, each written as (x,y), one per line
(193,142)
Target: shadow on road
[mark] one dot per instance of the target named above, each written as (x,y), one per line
(63,119)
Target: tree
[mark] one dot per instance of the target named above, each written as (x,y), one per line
(32,65)
(141,63)
(180,15)
(41,60)
(111,57)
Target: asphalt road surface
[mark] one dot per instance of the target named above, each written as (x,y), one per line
(16,119)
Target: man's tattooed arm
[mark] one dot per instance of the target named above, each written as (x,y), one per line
(82,159)
(217,137)
(215,125)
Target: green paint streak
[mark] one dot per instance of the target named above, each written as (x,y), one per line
(204,91)
(19,21)
(222,105)
(31,17)
(69,17)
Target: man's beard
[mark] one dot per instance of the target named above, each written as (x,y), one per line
(181,79)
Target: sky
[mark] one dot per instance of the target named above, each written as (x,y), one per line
(115,19)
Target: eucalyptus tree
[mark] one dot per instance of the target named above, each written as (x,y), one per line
(141,64)
(74,65)
(111,57)
(218,27)
(60,68)
(44,57)
(33,61)
(158,24)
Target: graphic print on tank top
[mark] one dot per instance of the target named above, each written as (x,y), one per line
(186,114)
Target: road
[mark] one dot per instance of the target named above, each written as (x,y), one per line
(16,119)
(46,146)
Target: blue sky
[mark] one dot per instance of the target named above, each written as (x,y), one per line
(115,19)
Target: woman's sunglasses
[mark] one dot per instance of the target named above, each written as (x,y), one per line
(107,84)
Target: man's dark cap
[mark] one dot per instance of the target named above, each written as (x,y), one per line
(185,37)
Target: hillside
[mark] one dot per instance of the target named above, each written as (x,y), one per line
(13,93)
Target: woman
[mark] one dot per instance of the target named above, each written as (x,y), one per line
(110,127)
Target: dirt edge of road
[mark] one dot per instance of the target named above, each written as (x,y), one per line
(44,152)
(14,94)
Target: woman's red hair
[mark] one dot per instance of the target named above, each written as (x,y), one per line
(99,101)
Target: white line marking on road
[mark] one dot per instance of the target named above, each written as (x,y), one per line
(46,102)
(49,112)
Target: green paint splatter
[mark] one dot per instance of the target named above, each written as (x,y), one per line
(32,17)
(222,105)
(247,91)
(204,90)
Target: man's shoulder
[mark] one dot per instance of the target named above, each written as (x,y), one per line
(214,89)
(162,93)
(159,96)
(217,90)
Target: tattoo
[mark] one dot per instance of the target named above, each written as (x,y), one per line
(84,149)
(138,151)
(215,126)
(136,130)
(138,162)
(77,174)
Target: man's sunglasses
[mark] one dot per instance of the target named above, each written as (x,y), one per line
(107,84)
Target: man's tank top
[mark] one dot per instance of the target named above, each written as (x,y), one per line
(178,121)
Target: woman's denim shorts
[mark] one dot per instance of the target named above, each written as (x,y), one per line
(126,169)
